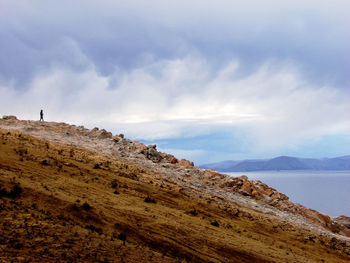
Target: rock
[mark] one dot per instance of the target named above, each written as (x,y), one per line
(153,154)
(213,175)
(343,220)
(118,138)
(185,164)
(95,129)
(236,182)
(243,192)
(247,187)
(171,158)
(105,134)
(141,148)
(9,117)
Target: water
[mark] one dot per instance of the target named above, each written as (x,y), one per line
(325,191)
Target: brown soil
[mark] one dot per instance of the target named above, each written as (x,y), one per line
(61,203)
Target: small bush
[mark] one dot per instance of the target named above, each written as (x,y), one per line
(114,183)
(75,207)
(116,192)
(193,212)
(44,162)
(15,192)
(86,206)
(150,200)
(97,166)
(215,223)
(122,237)
(94,229)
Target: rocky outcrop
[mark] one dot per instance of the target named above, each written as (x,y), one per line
(153,154)
(255,189)
(9,117)
(344,220)
(103,134)
(268,195)
(171,159)
(186,164)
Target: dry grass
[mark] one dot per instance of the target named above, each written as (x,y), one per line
(78,206)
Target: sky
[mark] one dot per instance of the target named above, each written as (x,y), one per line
(204,80)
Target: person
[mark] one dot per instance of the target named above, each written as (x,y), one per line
(41,115)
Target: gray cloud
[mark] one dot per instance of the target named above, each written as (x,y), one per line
(114,35)
(172,96)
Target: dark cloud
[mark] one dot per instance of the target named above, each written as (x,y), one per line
(111,35)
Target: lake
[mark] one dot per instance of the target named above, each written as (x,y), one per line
(325,191)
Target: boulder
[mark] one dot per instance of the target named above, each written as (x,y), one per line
(153,154)
(103,134)
(141,148)
(171,158)
(185,164)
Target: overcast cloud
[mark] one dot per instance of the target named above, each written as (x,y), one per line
(206,81)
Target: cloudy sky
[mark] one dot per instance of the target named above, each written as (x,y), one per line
(204,80)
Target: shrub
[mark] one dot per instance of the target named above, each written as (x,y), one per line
(122,237)
(114,183)
(97,166)
(94,229)
(150,200)
(15,192)
(75,207)
(86,206)
(215,223)
(193,212)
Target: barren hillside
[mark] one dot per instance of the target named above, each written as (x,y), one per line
(70,194)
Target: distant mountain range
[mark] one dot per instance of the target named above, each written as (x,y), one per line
(281,163)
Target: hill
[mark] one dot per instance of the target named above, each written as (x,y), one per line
(70,194)
(281,163)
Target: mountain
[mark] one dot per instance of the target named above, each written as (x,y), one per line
(282,163)
(71,194)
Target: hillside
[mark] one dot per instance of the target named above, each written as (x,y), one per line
(70,194)
(281,163)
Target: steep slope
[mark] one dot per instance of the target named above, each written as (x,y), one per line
(68,194)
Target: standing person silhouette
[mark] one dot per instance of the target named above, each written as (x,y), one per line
(41,115)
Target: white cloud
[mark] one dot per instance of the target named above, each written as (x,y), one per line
(275,106)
